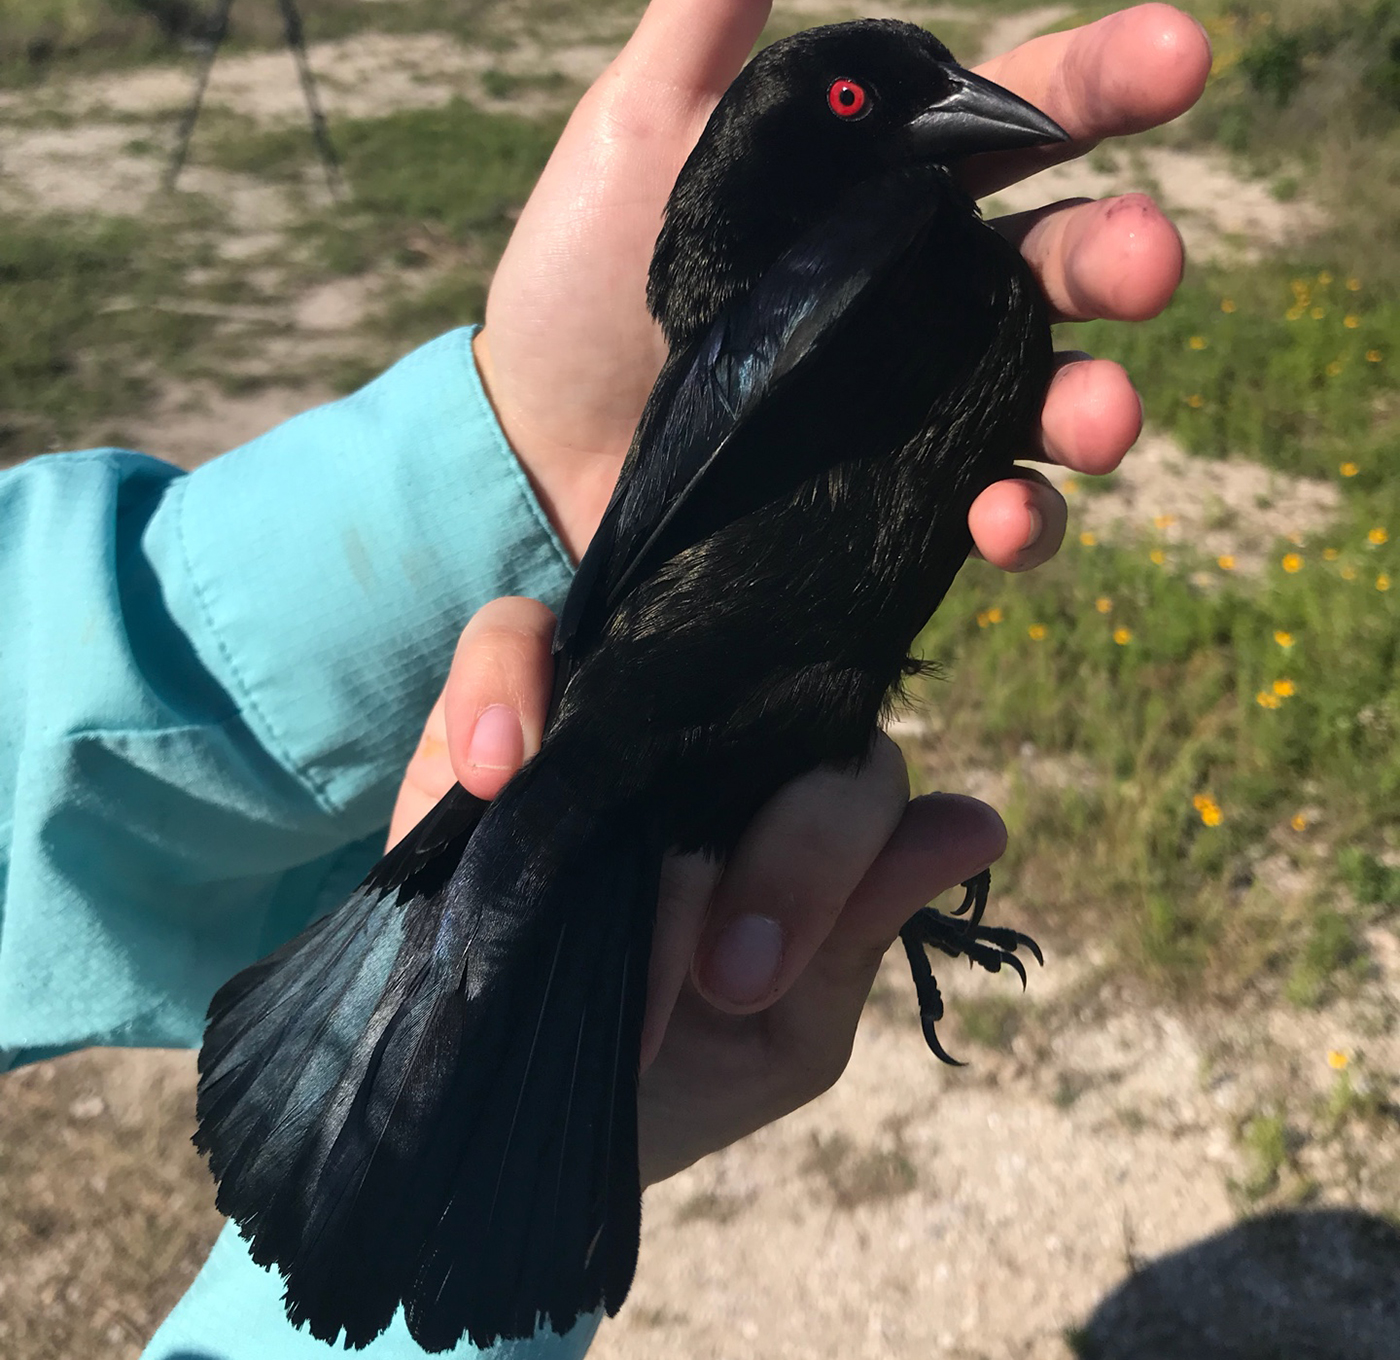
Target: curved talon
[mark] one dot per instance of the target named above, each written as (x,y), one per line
(976,891)
(939,1052)
(1020,968)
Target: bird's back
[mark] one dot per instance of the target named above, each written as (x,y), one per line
(767,643)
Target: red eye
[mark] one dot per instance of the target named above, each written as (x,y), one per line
(846,99)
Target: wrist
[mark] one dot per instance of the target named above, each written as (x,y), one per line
(572,485)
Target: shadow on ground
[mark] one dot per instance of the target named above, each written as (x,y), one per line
(1319,1285)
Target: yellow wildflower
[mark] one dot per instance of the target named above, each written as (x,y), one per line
(1337,1060)
(1373,356)
(1037,632)
(1122,636)
(1158,557)
(1300,289)
(1354,285)
(1069,486)
(1163,521)
(1195,401)
(1088,539)
(1285,689)
(1227,305)
(1330,554)
(1382,582)
(1292,562)
(1324,278)
(1334,368)
(1377,536)
(1293,313)
(1349,469)
(982,619)
(1266,698)
(1211,815)
(1348,572)
(1198,342)
(994,614)
(1284,639)
(1226,561)
(1298,821)
(1318,313)
(1104,605)
(1201,800)
(1351,321)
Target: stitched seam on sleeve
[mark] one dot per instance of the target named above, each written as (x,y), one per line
(276,746)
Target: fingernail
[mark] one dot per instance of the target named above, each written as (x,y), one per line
(1037,527)
(743,964)
(498,740)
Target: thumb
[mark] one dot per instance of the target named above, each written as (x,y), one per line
(497,693)
(490,717)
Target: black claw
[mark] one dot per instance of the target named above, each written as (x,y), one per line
(960,933)
(1014,962)
(939,1052)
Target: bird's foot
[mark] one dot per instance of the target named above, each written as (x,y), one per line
(961,933)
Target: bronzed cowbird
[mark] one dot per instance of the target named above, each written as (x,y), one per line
(429,1097)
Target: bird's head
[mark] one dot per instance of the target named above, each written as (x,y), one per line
(802,126)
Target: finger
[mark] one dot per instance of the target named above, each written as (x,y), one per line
(1133,70)
(942,840)
(428,777)
(696,47)
(1092,416)
(1018,523)
(790,875)
(497,694)
(687,884)
(1119,258)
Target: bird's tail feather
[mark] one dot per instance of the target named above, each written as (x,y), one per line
(429,1097)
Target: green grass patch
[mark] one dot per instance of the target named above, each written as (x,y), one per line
(1294,365)
(1309,96)
(991,1021)
(1265,1140)
(82,334)
(424,183)
(1212,718)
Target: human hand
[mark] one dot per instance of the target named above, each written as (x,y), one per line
(569,353)
(760,968)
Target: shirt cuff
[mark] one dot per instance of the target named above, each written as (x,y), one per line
(330,565)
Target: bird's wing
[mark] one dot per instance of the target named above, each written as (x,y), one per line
(710,390)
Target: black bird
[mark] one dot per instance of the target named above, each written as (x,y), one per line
(429,1097)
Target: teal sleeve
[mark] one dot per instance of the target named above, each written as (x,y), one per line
(210,684)
(233,1311)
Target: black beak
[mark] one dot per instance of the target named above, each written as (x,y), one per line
(977,115)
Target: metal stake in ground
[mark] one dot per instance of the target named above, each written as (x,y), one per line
(296,44)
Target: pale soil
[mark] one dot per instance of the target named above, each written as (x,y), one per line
(1217,213)
(913,1211)
(1226,507)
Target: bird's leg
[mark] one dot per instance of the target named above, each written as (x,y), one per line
(959,934)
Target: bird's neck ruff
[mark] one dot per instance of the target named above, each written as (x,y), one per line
(714,250)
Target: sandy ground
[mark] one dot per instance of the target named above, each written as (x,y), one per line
(1090,1176)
